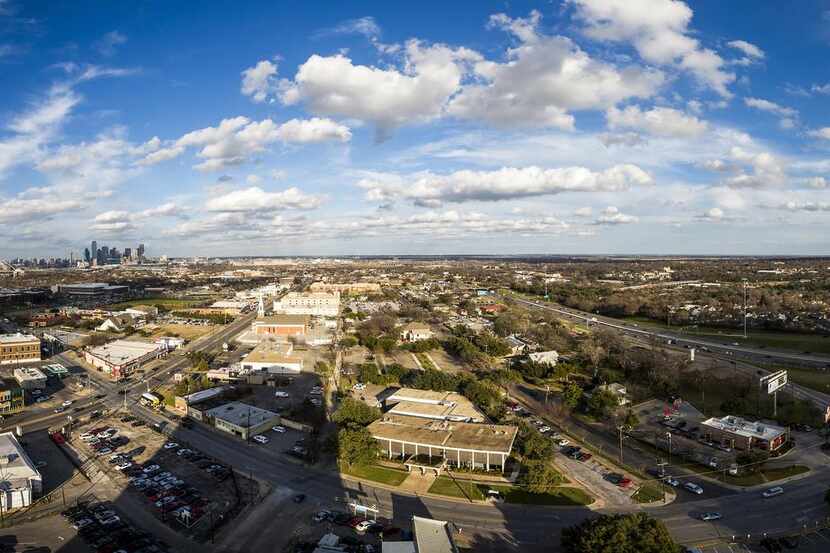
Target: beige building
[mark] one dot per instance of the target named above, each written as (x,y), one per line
(21,481)
(282,325)
(319,304)
(19,348)
(346,287)
(414,332)
(119,358)
(274,357)
(241,419)
(428,404)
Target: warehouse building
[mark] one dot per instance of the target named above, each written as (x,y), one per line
(19,348)
(20,481)
(91,289)
(273,357)
(241,419)
(187,403)
(739,433)
(485,446)
(30,378)
(119,358)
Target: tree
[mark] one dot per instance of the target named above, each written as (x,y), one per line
(751,461)
(347,342)
(602,402)
(631,420)
(356,446)
(539,477)
(619,534)
(827,497)
(354,413)
(571,395)
(533,444)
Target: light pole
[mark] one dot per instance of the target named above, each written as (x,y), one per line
(668,437)
(744,280)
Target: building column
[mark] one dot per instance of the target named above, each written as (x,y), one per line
(487,458)
(430,454)
(503,459)
(390,449)
(416,451)
(458,457)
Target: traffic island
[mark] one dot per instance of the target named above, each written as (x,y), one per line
(476,491)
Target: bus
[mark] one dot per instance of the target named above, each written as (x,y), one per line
(149,399)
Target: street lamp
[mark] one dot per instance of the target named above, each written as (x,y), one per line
(744,281)
(668,437)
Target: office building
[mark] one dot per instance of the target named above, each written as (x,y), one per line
(92,289)
(320,304)
(20,481)
(19,348)
(346,287)
(241,419)
(282,325)
(119,358)
(273,357)
(428,404)
(30,378)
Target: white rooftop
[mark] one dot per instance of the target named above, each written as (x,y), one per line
(16,467)
(745,428)
(123,351)
(241,414)
(16,338)
(432,536)
(29,373)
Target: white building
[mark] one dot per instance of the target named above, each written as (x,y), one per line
(320,304)
(170,342)
(119,358)
(414,332)
(20,481)
(549,357)
(30,378)
(273,357)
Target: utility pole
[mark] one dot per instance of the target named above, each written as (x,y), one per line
(668,437)
(620,430)
(744,309)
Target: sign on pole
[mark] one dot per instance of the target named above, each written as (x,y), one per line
(774,382)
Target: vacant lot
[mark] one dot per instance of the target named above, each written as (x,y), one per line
(161,303)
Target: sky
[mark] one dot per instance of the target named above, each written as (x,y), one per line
(328,128)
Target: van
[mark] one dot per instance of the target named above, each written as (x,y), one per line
(495,495)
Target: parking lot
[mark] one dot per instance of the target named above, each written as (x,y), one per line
(182,487)
(104,528)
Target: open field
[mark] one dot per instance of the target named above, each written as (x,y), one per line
(188,332)
(163,303)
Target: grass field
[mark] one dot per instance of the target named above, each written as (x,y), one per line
(813,379)
(425,362)
(560,495)
(648,493)
(384,475)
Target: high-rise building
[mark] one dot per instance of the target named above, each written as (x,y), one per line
(140,251)
(94,250)
(87,257)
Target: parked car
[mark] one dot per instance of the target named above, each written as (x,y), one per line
(259,438)
(672,481)
(66,403)
(171,445)
(280,429)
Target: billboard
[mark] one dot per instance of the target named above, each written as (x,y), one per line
(774,381)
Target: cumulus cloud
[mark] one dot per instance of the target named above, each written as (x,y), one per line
(21,209)
(613,216)
(819,183)
(388,98)
(430,189)
(823,133)
(770,107)
(234,140)
(121,221)
(752,54)
(543,79)
(260,81)
(659,31)
(658,121)
(255,199)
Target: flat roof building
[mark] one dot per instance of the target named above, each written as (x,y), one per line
(320,304)
(429,404)
(30,378)
(346,287)
(284,325)
(458,443)
(20,481)
(119,358)
(183,403)
(241,419)
(274,357)
(739,433)
(91,289)
(19,348)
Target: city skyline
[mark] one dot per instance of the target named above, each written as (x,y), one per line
(574,127)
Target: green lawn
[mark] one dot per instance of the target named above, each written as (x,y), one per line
(375,473)
(816,380)
(425,362)
(444,485)
(648,493)
(167,303)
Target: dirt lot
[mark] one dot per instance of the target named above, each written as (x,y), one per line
(212,494)
(188,332)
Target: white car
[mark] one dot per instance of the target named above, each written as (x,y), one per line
(692,487)
(151,469)
(545,429)
(171,445)
(281,394)
(563,441)
(123,466)
(259,438)
(671,481)
(66,403)
(772,492)
(86,436)
(280,429)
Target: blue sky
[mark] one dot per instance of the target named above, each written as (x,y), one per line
(282,128)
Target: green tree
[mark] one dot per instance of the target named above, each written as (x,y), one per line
(354,413)
(533,444)
(571,395)
(356,446)
(347,342)
(602,403)
(539,477)
(619,534)
(630,420)
(751,461)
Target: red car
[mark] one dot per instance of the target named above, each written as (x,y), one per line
(355,521)
(624,482)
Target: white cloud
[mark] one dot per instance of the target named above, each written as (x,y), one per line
(256,199)
(715,213)
(543,79)
(583,212)
(770,107)
(19,210)
(823,133)
(629,139)
(431,189)
(366,26)
(821,88)
(817,183)
(658,121)
(234,140)
(388,98)
(259,82)
(108,43)
(749,49)
(659,31)
(612,216)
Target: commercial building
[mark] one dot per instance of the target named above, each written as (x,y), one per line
(143,311)
(485,446)
(20,481)
(186,403)
(282,325)
(241,419)
(428,536)
(91,289)
(319,304)
(170,342)
(117,323)
(414,332)
(739,433)
(273,357)
(427,404)
(12,397)
(550,357)
(346,287)
(19,348)
(119,358)
(30,378)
